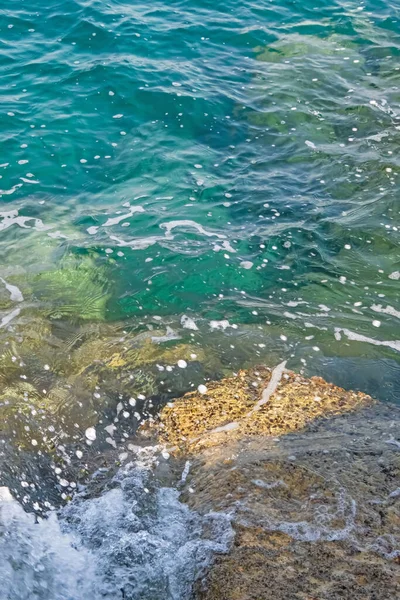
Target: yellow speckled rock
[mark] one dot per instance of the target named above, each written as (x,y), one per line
(196,419)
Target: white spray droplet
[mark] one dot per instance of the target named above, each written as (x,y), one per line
(246,264)
(90,433)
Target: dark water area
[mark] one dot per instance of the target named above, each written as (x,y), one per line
(186,189)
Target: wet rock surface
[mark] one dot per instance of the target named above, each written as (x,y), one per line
(312,485)
(56,382)
(256,401)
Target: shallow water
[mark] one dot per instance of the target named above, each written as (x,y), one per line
(186,182)
(236,163)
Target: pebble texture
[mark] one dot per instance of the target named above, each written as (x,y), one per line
(231,408)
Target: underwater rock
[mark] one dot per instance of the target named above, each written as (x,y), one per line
(77,290)
(235,407)
(57,379)
(310,476)
(295,46)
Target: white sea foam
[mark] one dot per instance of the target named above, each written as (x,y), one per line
(39,561)
(269,485)
(169,226)
(186,470)
(133,542)
(224,324)
(119,218)
(25,180)
(9,317)
(10,191)
(321,525)
(169,335)
(310,144)
(12,217)
(15,292)
(246,264)
(395,275)
(144,243)
(188,323)
(92,230)
(358,337)
(57,235)
(387,310)
(224,246)
(138,243)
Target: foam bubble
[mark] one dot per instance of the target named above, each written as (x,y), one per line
(188,323)
(246,264)
(90,433)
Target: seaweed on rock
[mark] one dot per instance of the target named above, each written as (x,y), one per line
(77,290)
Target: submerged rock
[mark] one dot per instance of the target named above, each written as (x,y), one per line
(57,380)
(310,477)
(239,405)
(78,290)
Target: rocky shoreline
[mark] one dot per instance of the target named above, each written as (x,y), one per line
(310,474)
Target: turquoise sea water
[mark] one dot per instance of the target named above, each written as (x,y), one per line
(232,162)
(214,183)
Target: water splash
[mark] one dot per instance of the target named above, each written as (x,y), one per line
(135,541)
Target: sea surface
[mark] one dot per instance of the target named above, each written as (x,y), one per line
(186,189)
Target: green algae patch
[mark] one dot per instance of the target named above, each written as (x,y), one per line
(129,364)
(149,352)
(53,374)
(235,407)
(78,290)
(296,46)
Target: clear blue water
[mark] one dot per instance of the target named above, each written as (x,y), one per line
(248,135)
(223,177)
